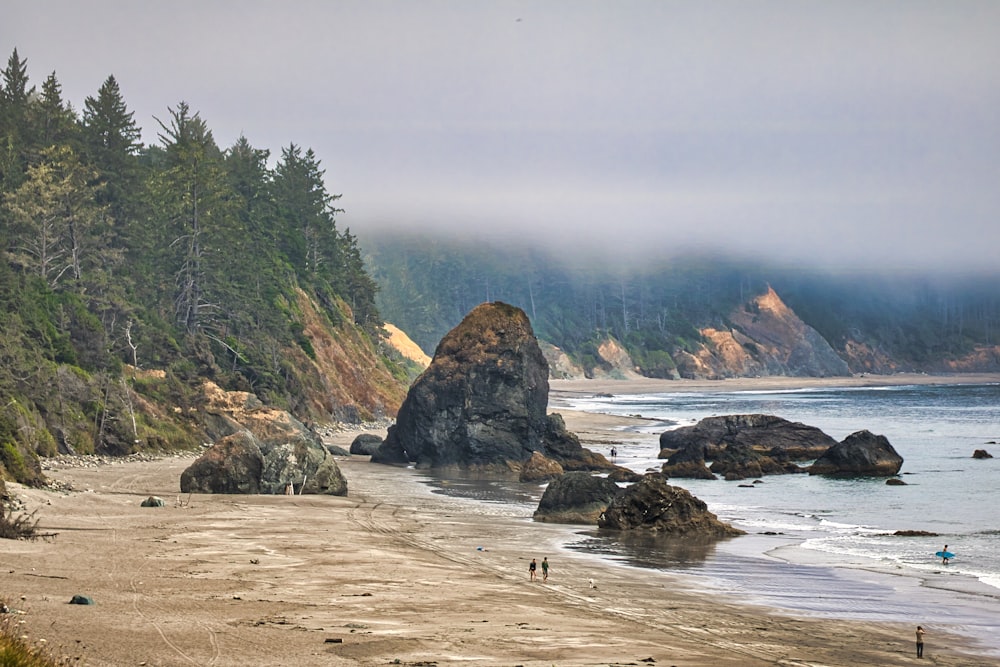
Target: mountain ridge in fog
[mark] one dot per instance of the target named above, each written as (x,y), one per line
(663,310)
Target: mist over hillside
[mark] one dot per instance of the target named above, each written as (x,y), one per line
(661,308)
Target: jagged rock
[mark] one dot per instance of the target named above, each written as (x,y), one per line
(740,461)
(687,462)
(860,454)
(763,433)
(290,463)
(480,407)
(228,412)
(232,465)
(241,464)
(328,479)
(915,533)
(653,505)
(621,474)
(153,501)
(576,497)
(539,468)
(981,454)
(365,444)
(336,450)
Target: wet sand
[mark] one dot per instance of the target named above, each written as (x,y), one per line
(390,574)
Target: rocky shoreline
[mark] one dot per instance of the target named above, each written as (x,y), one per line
(390,574)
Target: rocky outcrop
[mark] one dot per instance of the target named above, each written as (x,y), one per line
(861,454)
(740,461)
(688,462)
(576,497)
(234,464)
(242,464)
(653,505)
(365,444)
(740,447)
(480,407)
(539,468)
(228,412)
(327,480)
(981,454)
(761,433)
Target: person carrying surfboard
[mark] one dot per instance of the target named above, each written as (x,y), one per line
(945,555)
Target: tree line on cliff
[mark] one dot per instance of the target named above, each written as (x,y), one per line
(658,310)
(178,255)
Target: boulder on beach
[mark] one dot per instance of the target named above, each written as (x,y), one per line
(153,501)
(981,454)
(653,505)
(365,444)
(242,464)
(481,405)
(576,497)
(234,464)
(861,454)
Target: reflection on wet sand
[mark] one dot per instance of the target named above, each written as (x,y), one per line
(648,549)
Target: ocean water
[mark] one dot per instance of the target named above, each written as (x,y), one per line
(825,546)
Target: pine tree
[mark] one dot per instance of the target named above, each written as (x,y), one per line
(55,215)
(55,119)
(14,125)
(307,212)
(193,194)
(112,141)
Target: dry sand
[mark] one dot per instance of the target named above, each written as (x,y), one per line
(390,574)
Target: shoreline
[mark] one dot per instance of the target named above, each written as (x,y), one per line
(391,572)
(566,388)
(978,602)
(235,580)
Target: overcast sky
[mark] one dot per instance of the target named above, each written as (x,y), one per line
(834,132)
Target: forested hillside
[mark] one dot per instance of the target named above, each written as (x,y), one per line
(661,311)
(131,273)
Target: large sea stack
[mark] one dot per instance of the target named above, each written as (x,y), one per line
(481,405)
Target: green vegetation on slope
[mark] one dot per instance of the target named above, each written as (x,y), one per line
(180,256)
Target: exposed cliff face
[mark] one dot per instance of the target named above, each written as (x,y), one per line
(346,380)
(403,344)
(766,338)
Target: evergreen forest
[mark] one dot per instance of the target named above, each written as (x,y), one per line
(181,256)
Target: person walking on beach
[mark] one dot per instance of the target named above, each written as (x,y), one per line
(545,569)
(944,558)
(532,568)
(920,641)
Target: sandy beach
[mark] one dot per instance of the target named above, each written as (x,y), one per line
(390,574)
